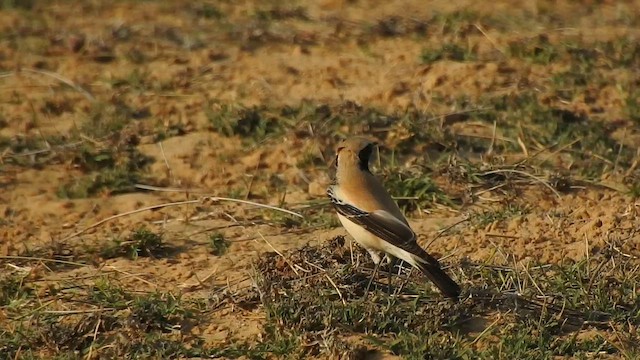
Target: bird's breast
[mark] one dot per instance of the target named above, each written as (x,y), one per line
(360,234)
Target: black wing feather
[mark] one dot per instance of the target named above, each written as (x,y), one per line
(400,236)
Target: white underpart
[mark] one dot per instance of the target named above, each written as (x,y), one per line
(374,244)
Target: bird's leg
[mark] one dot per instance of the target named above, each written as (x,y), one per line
(400,267)
(390,263)
(375,270)
(351,250)
(376,260)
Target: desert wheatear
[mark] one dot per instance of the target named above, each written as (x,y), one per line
(373,218)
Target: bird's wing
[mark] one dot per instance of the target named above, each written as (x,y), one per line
(382,224)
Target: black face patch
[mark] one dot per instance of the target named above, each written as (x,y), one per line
(364,155)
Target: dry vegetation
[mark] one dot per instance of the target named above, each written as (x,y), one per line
(510,139)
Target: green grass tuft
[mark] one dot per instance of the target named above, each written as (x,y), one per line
(253,123)
(111,171)
(452,52)
(218,244)
(414,188)
(141,242)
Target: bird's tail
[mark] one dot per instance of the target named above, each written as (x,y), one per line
(434,272)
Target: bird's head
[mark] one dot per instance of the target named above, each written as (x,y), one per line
(355,151)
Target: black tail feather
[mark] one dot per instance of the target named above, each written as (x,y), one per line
(440,278)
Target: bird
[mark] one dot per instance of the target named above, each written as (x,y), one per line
(372,217)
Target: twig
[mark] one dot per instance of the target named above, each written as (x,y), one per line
(131,275)
(20,269)
(489,189)
(614,187)
(458,113)
(74,312)
(324,271)
(442,231)
(596,274)
(335,287)
(214,228)
(95,334)
(153,207)
(58,77)
(542,150)
(449,254)
(520,285)
(279,253)
(35,310)
(502,236)
(526,271)
(190,219)
(165,189)
(495,45)
(478,136)
(523,147)
(493,136)
(191,287)
(14,257)
(42,151)
(542,181)
(166,162)
(486,330)
(216,198)
(159,206)
(228,285)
